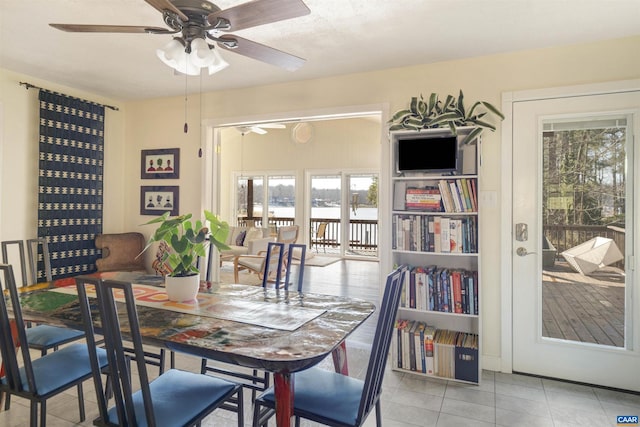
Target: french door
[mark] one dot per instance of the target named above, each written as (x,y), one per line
(576,304)
(343,207)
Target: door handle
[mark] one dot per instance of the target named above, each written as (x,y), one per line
(523,252)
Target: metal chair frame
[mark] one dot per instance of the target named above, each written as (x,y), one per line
(264,408)
(119,360)
(20,379)
(259,381)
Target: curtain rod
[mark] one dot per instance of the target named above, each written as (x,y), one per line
(30,86)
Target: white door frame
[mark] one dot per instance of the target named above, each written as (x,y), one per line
(506,237)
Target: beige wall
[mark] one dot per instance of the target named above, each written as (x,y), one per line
(19,156)
(158,123)
(345,145)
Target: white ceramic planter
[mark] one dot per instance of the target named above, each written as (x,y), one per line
(181,289)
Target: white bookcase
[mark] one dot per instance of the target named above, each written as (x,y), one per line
(438,241)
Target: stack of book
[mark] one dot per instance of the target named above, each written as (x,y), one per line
(429,233)
(424,199)
(440,352)
(458,195)
(433,288)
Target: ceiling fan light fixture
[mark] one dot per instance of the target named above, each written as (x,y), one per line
(171,53)
(201,53)
(218,64)
(192,59)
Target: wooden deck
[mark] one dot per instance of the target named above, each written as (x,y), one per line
(583,308)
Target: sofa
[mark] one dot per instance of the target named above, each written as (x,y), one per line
(246,241)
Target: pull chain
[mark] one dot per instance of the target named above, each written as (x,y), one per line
(200,149)
(186,125)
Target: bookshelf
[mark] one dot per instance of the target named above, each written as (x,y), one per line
(433,230)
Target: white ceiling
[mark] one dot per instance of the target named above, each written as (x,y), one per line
(338,37)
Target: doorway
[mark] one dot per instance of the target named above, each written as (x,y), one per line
(575,312)
(343,213)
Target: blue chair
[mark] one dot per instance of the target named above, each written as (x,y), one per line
(39,337)
(175,398)
(47,376)
(334,399)
(275,261)
(292,254)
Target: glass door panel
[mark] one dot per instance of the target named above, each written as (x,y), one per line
(326,202)
(362,232)
(249,199)
(584,222)
(281,196)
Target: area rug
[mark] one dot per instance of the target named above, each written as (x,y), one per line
(319,261)
(246,278)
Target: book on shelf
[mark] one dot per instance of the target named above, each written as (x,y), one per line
(466,357)
(424,199)
(434,233)
(423,348)
(458,195)
(399,190)
(433,288)
(429,332)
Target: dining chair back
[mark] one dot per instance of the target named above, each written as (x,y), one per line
(39,337)
(334,399)
(174,398)
(13,253)
(273,265)
(274,262)
(34,248)
(296,251)
(38,380)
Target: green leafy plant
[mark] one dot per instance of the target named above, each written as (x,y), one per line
(452,113)
(187,240)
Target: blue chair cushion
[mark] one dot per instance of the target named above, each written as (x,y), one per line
(178,397)
(326,394)
(58,369)
(50,336)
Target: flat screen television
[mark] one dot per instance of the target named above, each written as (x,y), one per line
(427,154)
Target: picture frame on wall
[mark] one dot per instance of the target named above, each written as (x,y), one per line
(156,200)
(161,163)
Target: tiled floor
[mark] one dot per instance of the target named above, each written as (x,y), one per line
(410,400)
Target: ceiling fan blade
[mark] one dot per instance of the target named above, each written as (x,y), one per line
(80,28)
(163,5)
(258,130)
(260,52)
(259,12)
(270,125)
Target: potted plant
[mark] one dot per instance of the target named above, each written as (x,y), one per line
(186,241)
(451,113)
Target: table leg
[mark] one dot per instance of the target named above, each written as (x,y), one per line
(283,388)
(340,359)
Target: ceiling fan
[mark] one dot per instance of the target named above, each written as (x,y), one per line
(259,128)
(196,20)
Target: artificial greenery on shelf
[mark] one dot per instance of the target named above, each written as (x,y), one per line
(451,113)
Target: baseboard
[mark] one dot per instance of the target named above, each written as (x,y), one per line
(491,363)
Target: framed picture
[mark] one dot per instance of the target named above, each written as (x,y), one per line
(156,200)
(159,164)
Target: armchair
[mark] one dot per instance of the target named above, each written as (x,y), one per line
(246,241)
(120,252)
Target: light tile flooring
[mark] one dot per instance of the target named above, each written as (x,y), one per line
(410,400)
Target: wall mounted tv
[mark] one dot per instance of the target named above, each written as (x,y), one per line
(427,154)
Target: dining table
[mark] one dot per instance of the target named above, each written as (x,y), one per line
(276,330)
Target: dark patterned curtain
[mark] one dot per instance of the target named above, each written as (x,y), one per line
(70,181)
